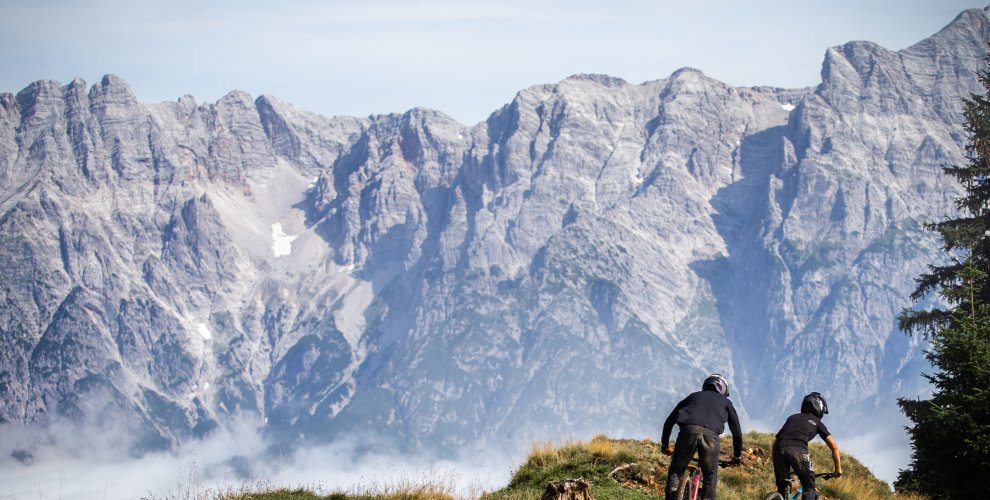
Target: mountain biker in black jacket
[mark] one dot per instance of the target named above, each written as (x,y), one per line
(701,419)
(790,449)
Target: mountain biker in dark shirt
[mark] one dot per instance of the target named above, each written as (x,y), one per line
(701,419)
(790,449)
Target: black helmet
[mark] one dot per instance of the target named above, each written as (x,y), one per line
(814,404)
(718,383)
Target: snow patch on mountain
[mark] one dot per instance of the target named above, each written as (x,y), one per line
(204,331)
(281,242)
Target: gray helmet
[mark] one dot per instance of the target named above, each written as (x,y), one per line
(814,404)
(717,383)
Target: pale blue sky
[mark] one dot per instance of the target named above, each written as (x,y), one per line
(465,58)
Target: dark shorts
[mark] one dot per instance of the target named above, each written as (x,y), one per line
(693,439)
(792,458)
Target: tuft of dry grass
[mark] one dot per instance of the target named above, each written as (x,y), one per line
(602,446)
(543,454)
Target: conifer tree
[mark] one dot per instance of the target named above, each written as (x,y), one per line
(950,433)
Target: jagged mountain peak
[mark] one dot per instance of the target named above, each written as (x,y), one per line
(688,72)
(972,20)
(605,80)
(236,98)
(928,70)
(43,91)
(113,89)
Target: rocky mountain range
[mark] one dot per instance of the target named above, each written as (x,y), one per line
(574,264)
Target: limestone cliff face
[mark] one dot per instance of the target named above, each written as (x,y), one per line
(574,264)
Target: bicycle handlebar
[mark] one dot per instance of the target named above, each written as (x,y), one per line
(721,463)
(827,475)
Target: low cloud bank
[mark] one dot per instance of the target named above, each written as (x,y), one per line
(73,462)
(885,449)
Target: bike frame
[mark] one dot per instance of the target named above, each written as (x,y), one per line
(695,483)
(800,491)
(797,494)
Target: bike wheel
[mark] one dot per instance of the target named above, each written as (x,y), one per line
(684,488)
(773,496)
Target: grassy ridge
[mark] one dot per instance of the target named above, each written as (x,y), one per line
(596,460)
(630,470)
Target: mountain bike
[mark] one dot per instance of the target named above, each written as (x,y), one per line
(691,480)
(796,495)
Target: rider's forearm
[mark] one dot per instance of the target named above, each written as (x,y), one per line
(668,426)
(836,456)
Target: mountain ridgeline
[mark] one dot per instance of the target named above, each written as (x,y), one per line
(573,265)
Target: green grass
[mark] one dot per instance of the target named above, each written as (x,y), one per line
(593,461)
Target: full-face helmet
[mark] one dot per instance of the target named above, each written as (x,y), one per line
(717,383)
(814,404)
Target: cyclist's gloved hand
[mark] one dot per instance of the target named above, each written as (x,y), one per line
(667,450)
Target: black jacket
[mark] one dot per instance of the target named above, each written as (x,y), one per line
(799,429)
(708,409)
